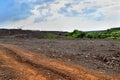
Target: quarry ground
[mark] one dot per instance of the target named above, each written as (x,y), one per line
(59,59)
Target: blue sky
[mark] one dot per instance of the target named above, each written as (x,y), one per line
(60,15)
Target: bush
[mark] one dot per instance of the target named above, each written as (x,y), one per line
(106,34)
(51,36)
(75,34)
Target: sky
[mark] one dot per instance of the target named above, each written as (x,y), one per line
(60,15)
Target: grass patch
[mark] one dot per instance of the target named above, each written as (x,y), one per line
(51,36)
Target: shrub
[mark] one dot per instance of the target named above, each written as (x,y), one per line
(75,34)
(51,36)
(113,33)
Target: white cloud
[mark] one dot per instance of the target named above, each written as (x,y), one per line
(35,11)
(107,10)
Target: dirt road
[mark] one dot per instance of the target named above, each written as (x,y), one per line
(20,64)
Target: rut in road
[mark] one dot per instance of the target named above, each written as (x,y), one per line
(32,66)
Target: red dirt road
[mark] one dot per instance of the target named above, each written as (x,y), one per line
(20,64)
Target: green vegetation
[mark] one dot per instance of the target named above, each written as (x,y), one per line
(113,33)
(75,34)
(51,36)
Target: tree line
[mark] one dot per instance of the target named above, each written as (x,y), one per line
(113,33)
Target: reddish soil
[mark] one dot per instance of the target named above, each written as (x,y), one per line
(42,59)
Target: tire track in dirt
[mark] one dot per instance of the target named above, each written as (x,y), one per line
(45,68)
(31,64)
(17,70)
(36,66)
